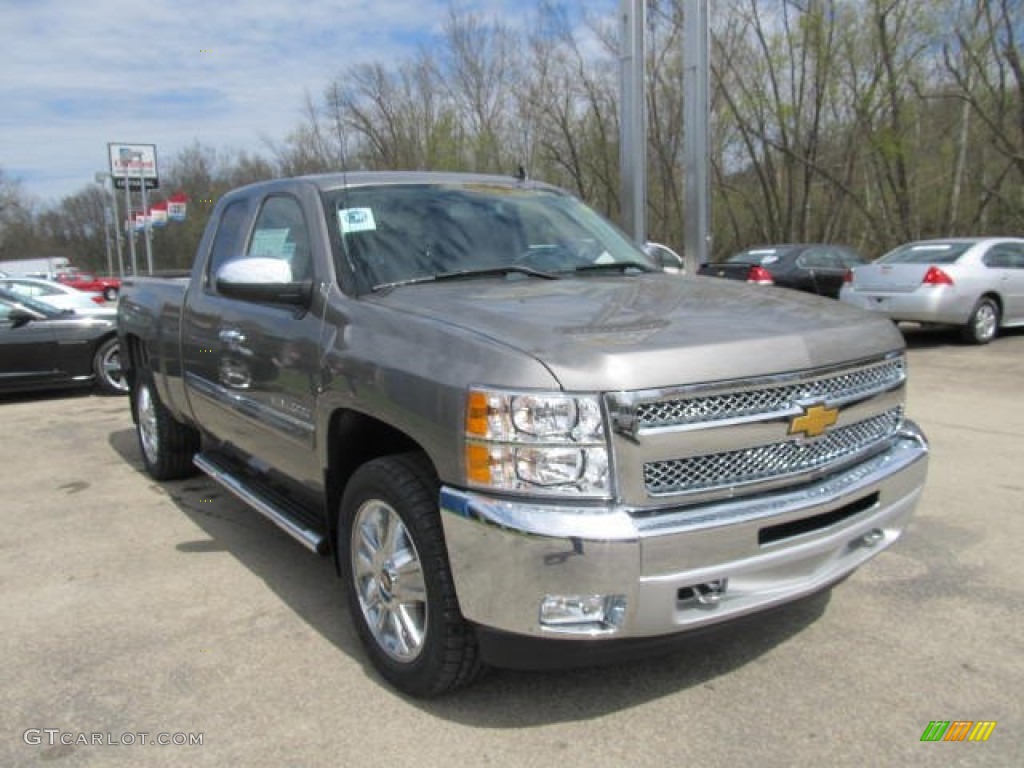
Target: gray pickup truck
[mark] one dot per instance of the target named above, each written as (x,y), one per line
(523,443)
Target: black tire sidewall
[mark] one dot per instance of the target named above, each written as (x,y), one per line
(176,443)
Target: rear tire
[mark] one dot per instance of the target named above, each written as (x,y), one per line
(401,595)
(110,294)
(106,366)
(167,445)
(983,324)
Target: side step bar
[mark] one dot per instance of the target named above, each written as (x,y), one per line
(265,501)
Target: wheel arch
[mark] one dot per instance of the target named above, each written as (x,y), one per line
(353,439)
(133,359)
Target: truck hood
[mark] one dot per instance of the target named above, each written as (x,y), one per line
(600,333)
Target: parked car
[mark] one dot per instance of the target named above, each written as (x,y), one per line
(976,284)
(59,295)
(110,287)
(813,267)
(43,348)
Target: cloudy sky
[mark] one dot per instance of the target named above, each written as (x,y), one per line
(77,74)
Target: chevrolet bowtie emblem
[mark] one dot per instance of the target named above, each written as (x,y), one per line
(813,421)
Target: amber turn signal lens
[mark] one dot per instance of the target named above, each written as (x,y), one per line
(478,463)
(476,414)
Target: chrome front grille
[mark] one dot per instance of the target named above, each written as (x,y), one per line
(771,461)
(700,442)
(747,401)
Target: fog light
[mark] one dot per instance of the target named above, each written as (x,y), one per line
(583,613)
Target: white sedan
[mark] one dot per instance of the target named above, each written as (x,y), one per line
(59,296)
(976,284)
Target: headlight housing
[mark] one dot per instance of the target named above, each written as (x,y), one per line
(548,443)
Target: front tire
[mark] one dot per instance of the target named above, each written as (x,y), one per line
(167,445)
(106,366)
(983,324)
(110,293)
(401,595)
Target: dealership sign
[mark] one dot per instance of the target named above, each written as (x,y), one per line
(133,164)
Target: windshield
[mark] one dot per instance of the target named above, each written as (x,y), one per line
(934,252)
(35,305)
(394,234)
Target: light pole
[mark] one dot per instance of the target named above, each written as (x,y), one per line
(633,125)
(101,179)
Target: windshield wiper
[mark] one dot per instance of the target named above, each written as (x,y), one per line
(463,273)
(616,266)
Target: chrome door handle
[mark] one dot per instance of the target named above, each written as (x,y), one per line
(231,337)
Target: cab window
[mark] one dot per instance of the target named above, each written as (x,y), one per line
(227,243)
(281,233)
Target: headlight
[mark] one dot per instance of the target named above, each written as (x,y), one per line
(539,442)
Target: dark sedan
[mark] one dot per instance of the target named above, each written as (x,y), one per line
(43,348)
(815,268)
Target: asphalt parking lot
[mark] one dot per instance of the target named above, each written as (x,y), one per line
(173,611)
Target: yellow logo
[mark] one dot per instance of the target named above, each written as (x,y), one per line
(813,421)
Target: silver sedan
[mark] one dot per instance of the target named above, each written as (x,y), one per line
(976,284)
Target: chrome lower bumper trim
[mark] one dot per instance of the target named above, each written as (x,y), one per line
(506,555)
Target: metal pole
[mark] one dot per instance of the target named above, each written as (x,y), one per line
(633,128)
(696,155)
(117,227)
(101,181)
(147,233)
(130,222)
(106,233)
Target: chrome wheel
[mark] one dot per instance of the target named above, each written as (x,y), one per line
(983,324)
(149,437)
(388,579)
(106,364)
(110,363)
(985,321)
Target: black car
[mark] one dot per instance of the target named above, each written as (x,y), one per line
(815,268)
(43,348)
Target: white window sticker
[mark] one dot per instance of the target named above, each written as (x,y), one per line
(269,242)
(356,220)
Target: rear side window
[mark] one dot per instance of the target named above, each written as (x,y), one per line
(1005,256)
(820,258)
(936,252)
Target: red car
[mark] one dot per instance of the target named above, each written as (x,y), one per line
(83,281)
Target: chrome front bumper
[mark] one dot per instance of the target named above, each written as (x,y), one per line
(508,556)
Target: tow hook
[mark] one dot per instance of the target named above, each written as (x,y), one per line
(710,593)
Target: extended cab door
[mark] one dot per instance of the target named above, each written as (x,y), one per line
(252,366)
